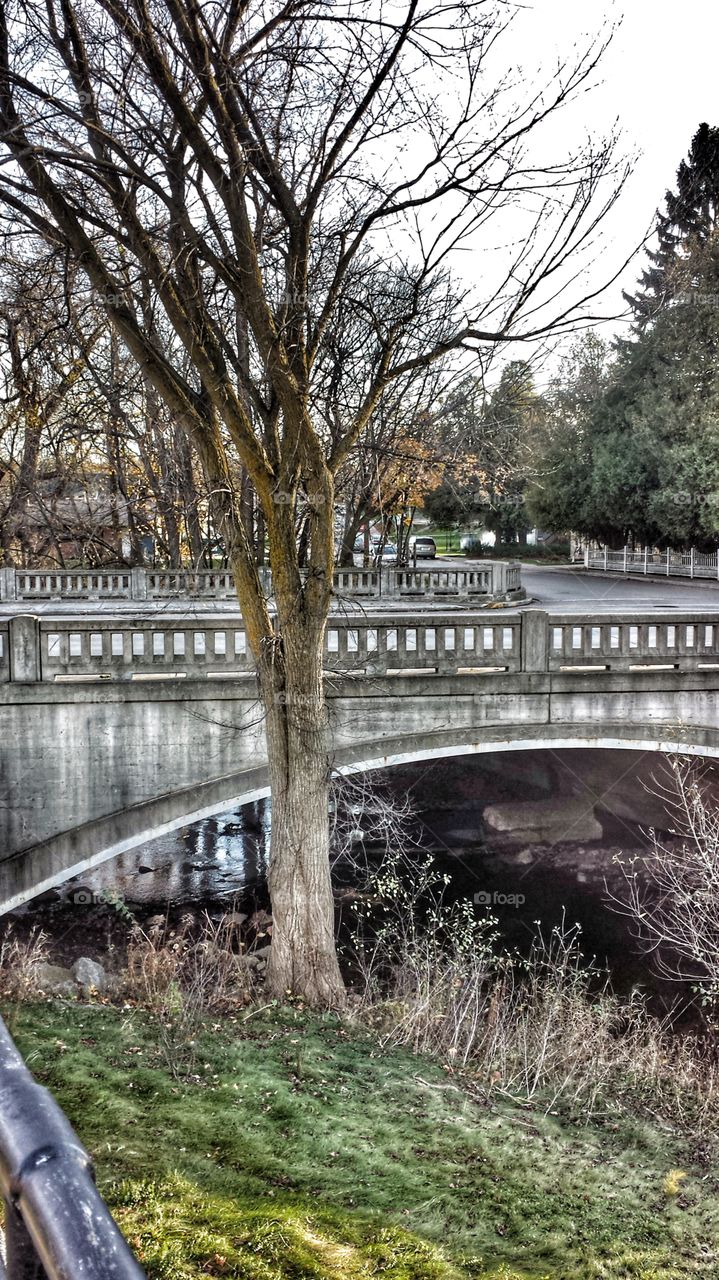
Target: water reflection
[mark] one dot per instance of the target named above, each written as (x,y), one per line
(210,860)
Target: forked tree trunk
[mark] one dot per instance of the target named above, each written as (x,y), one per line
(303,958)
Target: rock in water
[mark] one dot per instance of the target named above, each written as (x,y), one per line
(544,821)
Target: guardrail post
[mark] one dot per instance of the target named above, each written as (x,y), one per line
(24,649)
(21,1260)
(535,640)
(668,561)
(691,563)
(7,584)
(138,587)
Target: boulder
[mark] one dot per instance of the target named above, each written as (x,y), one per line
(564,818)
(90,975)
(55,980)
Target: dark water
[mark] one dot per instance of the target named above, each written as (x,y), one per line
(215,860)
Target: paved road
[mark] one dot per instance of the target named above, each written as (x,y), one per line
(569,590)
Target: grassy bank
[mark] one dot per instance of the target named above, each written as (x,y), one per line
(289,1146)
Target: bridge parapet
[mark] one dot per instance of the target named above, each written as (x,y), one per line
(214,645)
(490,578)
(166,648)
(683,642)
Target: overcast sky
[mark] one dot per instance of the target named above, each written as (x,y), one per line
(659,81)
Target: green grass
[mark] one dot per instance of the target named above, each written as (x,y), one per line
(296,1148)
(447,539)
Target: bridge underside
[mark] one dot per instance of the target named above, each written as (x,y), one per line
(89,771)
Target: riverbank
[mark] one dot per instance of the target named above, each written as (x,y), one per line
(293,1146)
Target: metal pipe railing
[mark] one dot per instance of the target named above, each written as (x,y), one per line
(57,1226)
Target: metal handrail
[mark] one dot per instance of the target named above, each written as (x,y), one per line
(57,1226)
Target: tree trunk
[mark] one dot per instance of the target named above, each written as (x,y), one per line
(303,959)
(353,519)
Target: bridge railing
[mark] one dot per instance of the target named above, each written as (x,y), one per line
(491,578)
(112,648)
(194,647)
(56,1224)
(424,644)
(684,642)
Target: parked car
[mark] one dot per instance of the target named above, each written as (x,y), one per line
(425,548)
(388,556)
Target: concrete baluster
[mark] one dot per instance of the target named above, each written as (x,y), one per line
(7,584)
(139,584)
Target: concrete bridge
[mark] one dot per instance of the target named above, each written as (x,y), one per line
(114,730)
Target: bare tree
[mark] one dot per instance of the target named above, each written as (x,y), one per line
(254,168)
(671,894)
(91,462)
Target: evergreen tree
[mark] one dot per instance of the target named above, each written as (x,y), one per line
(686,259)
(639,461)
(559,496)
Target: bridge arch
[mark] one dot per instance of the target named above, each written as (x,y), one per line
(48,864)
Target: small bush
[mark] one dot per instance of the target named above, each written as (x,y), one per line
(475,549)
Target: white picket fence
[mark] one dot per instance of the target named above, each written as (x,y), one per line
(671,564)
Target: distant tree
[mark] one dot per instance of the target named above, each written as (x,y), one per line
(559,493)
(450,503)
(489,440)
(512,428)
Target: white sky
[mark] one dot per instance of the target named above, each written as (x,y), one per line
(658,80)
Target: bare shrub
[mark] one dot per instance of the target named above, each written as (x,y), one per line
(20,962)
(365,812)
(546,1028)
(182,975)
(671,894)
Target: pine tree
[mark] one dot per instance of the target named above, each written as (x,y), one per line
(685,264)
